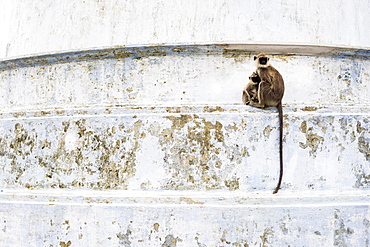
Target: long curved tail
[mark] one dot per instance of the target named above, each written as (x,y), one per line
(280,109)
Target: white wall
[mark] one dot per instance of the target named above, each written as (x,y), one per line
(30,27)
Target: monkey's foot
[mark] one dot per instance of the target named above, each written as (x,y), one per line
(252,103)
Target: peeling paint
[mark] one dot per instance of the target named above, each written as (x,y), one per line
(227,224)
(310,108)
(267,233)
(124,238)
(364,147)
(341,233)
(196,158)
(64,244)
(171,241)
(350,77)
(313,141)
(89,153)
(200,150)
(156,227)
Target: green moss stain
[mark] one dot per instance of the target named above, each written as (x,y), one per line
(364,147)
(313,142)
(303,127)
(197,151)
(76,153)
(23,142)
(363,140)
(171,241)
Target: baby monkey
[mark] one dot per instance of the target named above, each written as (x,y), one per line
(251,89)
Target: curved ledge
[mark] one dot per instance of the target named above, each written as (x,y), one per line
(137,51)
(163,110)
(302,49)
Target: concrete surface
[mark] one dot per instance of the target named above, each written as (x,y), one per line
(117,218)
(150,146)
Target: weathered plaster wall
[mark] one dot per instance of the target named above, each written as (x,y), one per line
(175,75)
(30,27)
(205,149)
(150,146)
(100,120)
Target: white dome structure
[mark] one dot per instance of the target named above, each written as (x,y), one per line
(122,124)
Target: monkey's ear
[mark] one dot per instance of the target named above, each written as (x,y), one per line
(255,57)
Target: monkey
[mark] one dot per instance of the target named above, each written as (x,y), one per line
(270,93)
(252,87)
(250,90)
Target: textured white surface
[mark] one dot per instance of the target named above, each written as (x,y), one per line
(30,27)
(178,75)
(205,148)
(183,219)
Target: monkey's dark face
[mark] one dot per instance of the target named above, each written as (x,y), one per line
(255,79)
(261,61)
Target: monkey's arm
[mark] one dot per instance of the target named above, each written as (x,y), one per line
(249,92)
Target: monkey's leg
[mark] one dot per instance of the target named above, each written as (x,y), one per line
(254,98)
(256,103)
(245,97)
